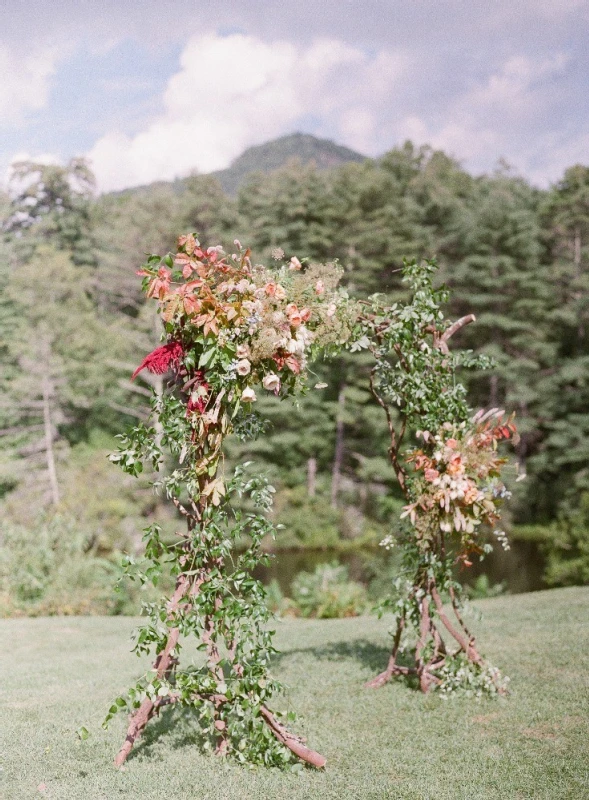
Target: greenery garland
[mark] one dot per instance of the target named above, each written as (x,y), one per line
(231,329)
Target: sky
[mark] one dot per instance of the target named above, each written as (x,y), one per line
(151,90)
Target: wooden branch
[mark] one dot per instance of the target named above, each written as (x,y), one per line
(463,641)
(162,664)
(294,744)
(392,666)
(441,340)
(456,326)
(394,446)
(424,630)
(47,394)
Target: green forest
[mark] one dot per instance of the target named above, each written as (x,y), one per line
(74,325)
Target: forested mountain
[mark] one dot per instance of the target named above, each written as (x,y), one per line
(300,147)
(73,326)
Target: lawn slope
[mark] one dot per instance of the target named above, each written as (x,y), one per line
(60,673)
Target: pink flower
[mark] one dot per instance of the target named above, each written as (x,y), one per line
(431,474)
(319,287)
(271,382)
(270,289)
(294,315)
(294,263)
(331,309)
(279,292)
(305,314)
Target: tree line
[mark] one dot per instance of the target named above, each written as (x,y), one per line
(73,326)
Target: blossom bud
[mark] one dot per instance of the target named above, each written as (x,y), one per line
(248,395)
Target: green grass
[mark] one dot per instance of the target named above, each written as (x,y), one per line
(61,673)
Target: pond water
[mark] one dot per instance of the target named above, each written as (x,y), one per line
(519,569)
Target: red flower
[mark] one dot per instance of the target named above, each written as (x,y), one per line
(161,359)
(198,399)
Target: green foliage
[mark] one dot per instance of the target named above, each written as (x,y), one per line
(568,549)
(514,255)
(328,593)
(47,569)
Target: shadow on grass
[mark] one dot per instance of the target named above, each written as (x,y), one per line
(180,725)
(372,657)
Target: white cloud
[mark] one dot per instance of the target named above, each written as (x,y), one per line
(25,81)
(235,91)
(493,118)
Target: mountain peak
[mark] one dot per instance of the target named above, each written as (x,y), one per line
(272,155)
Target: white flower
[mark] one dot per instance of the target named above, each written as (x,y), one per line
(271,382)
(248,395)
(294,347)
(243,367)
(304,335)
(320,386)
(279,292)
(243,351)
(331,309)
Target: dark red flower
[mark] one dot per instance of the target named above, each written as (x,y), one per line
(198,400)
(161,359)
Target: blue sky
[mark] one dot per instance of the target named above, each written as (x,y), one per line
(152,90)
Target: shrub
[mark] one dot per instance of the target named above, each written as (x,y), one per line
(45,570)
(328,593)
(568,550)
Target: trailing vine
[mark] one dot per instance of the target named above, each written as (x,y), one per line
(452,482)
(231,328)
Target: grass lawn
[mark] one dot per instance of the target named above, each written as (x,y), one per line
(61,673)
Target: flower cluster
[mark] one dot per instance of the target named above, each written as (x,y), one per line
(457,486)
(243,324)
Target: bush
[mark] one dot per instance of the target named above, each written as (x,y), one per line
(567,552)
(328,593)
(46,570)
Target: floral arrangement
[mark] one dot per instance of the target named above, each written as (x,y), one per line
(232,329)
(247,324)
(459,484)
